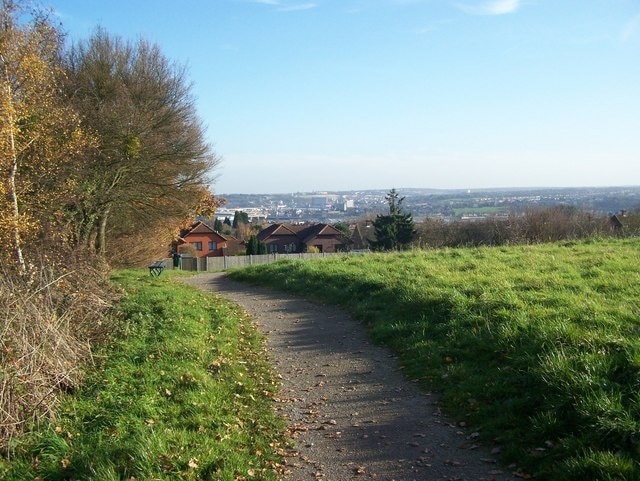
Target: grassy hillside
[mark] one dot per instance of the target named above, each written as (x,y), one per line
(536,347)
(184,392)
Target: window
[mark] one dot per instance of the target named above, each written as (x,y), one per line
(213,246)
(196,245)
(273,248)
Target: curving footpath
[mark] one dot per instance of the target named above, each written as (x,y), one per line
(352,412)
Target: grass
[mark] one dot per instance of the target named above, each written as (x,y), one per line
(184,392)
(535,347)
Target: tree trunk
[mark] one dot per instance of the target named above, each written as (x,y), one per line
(101,240)
(13,196)
(86,229)
(13,192)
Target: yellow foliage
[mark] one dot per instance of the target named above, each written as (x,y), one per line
(39,134)
(208,203)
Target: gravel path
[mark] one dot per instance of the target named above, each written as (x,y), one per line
(352,412)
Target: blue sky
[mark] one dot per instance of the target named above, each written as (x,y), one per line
(311,95)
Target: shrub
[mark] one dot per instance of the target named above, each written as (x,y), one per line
(49,318)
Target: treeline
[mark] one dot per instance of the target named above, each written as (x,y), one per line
(102,157)
(535,225)
(397,229)
(101,146)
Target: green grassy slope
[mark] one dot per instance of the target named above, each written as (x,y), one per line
(185,392)
(536,347)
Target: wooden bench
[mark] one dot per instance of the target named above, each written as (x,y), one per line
(156,268)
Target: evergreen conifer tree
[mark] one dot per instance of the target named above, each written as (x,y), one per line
(252,245)
(396,230)
(240,217)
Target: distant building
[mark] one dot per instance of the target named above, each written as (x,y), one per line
(319,202)
(291,238)
(348,204)
(201,240)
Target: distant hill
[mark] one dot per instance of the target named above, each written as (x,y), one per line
(338,206)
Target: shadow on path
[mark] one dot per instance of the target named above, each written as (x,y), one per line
(353,413)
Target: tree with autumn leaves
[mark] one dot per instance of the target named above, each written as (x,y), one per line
(41,140)
(102,158)
(99,143)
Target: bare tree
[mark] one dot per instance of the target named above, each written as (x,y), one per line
(151,160)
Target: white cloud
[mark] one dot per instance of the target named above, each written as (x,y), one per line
(423,30)
(265,2)
(285,7)
(492,7)
(406,2)
(297,7)
(631,28)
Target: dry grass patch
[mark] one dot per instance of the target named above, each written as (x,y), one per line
(49,319)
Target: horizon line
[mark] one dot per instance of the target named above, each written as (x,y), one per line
(451,189)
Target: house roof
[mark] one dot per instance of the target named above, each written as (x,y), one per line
(277,230)
(201,227)
(234,246)
(303,233)
(356,237)
(362,236)
(317,230)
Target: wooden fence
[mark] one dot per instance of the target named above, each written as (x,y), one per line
(213,264)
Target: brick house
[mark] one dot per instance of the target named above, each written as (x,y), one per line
(290,238)
(202,240)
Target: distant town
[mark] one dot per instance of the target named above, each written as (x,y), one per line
(334,207)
